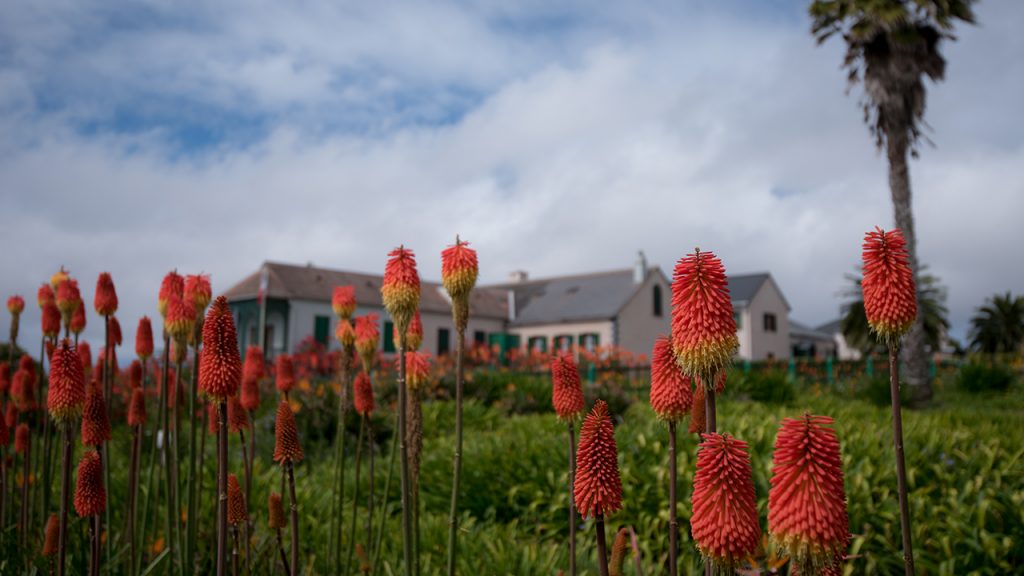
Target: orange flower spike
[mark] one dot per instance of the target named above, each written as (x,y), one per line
(172,285)
(401,287)
(90,495)
(85,355)
(66,397)
(276,517)
(807,503)
(237,512)
(95,424)
(252,373)
(77,325)
(45,296)
(115,333)
(367,339)
(566,391)
(286,436)
(255,366)
(105,300)
(50,320)
(137,408)
(345,334)
(68,299)
(50,542)
(598,488)
(15,305)
(220,364)
(23,390)
(890,298)
(284,373)
(58,278)
(238,421)
(197,291)
(698,414)
(724,521)
(5,378)
(671,391)
(22,438)
(417,368)
(144,339)
(134,375)
(363,394)
(413,335)
(180,321)
(703,327)
(459,271)
(343,301)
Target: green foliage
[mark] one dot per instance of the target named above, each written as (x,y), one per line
(978,376)
(771,386)
(999,325)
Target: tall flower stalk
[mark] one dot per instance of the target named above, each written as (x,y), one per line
(597,488)
(171,291)
(400,291)
(238,423)
(459,271)
(671,399)
(65,401)
(95,433)
(23,447)
(197,294)
(144,351)
(50,324)
(105,305)
(343,302)
(362,396)
(367,339)
(288,452)
(890,304)
(253,372)
(276,521)
(220,373)
(238,514)
(90,502)
(567,400)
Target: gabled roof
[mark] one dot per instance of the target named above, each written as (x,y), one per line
(743,288)
(294,282)
(798,330)
(833,327)
(579,298)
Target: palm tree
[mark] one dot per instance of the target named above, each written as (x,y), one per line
(891,46)
(932,296)
(999,325)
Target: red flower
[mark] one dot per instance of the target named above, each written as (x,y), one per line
(724,522)
(276,518)
(105,301)
(807,502)
(252,373)
(22,439)
(50,320)
(10,415)
(135,375)
(171,381)
(401,288)
(236,502)
(95,424)
(85,355)
(367,339)
(566,391)
(58,278)
(890,300)
(26,363)
(363,394)
(286,436)
(343,301)
(137,408)
(5,378)
(23,390)
(15,305)
(698,413)
(459,271)
(220,364)
(417,368)
(284,373)
(68,297)
(413,334)
(197,291)
(77,324)
(671,391)
(598,488)
(238,421)
(45,296)
(180,321)
(345,334)
(66,396)
(703,327)
(115,338)
(50,543)
(172,285)
(90,496)
(144,339)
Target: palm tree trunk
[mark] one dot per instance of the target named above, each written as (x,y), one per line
(914,342)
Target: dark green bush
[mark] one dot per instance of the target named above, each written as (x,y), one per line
(769,387)
(977,377)
(875,389)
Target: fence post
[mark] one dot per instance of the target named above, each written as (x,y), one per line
(828,369)
(746,366)
(792,368)
(869,368)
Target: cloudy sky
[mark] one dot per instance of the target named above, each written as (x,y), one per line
(558,137)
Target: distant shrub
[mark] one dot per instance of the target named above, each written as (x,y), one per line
(978,377)
(875,389)
(769,387)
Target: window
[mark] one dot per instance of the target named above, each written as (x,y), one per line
(479,337)
(537,344)
(321,329)
(563,343)
(590,341)
(389,336)
(739,320)
(443,341)
(657,300)
(769,322)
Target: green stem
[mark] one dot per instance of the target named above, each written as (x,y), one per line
(65,491)
(572,499)
(150,476)
(108,380)
(192,517)
(222,487)
(384,502)
(673,523)
(453,512)
(290,470)
(168,456)
(711,426)
(901,470)
(409,562)
(602,545)
(355,496)
(339,466)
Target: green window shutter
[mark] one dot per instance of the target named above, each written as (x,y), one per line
(321,329)
(389,336)
(443,341)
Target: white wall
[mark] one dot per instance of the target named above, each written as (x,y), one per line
(603,328)
(776,344)
(637,326)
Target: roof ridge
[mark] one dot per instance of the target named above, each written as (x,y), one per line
(507,284)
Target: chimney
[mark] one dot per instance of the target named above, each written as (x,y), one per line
(518,276)
(640,268)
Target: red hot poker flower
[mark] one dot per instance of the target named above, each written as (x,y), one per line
(703,327)
(50,320)
(15,305)
(77,324)
(343,301)
(85,355)
(95,424)
(180,321)
(459,269)
(255,367)
(363,394)
(238,421)
(5,434)
(237,512)
(286,436)
(417,368)
(144,339)
(413,335)
(367,339)
(284,373)
(137,408)
(115,333)
(345,334)
(66,397)
(50,543)
(566,391)
(45,296)
(890,299)
(220,364)
(11,414)
(197,291)
(671,391)
(90,495)
(5,378)
(807,502)
(23,390)
(173,285)
(401,287)
(105,300)
(135,375)
(22,438)
(276,518)
(58,278)
(598,488)
(68,298)
(724,522)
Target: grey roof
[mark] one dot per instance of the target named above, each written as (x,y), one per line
(743,288)
(295,282)
(585,297)
(798,330)
(833,327)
